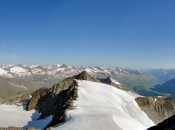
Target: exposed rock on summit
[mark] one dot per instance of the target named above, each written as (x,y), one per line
(111,82)
(85,76)
(157,108)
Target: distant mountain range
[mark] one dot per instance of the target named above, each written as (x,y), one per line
(23,78)
(167,87)
(162,75)
(18,79)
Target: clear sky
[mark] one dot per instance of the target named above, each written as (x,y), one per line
(136,34)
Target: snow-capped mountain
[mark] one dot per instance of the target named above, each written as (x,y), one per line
(62,70)
(83,102)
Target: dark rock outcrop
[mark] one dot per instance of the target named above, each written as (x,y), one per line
(58,100)
(109,81)
(157,108)
(168,124)
(85,76)
(38,94)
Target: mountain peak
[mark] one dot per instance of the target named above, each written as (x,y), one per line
(85,76)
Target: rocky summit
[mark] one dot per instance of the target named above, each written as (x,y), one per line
(85,76)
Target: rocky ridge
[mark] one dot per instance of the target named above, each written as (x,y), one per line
(157,108)
(116,84)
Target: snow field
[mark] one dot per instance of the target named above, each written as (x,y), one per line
(103,107)
(12,115)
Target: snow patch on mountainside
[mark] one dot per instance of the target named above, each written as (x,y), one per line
(4,73)
(12,115)
(38,71)
(114,81)
(19,70)
(103,107)
(17,85)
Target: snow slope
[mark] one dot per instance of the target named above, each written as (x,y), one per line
(4,73)
(19,71)
(103,107)
(12,115)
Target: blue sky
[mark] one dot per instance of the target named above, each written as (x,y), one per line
(136,34)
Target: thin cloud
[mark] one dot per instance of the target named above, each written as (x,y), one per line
(14,56)
(6,55)
(3,54)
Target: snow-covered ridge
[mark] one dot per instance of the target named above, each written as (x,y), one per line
(103,107)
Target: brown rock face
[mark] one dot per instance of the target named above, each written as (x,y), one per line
(56,101)
(157,108)
(85,76)
(35,97)
(59,100)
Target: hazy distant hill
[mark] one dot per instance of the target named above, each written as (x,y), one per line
(162,74)
(167,87)
(144,91)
